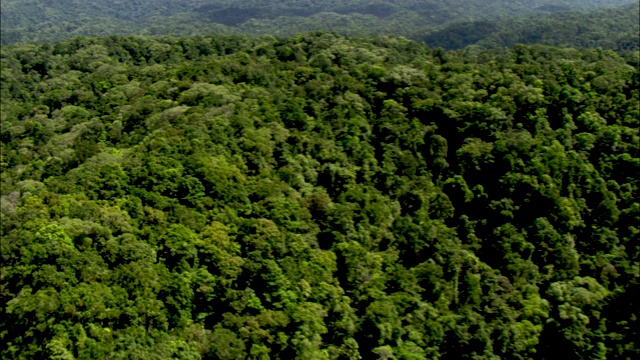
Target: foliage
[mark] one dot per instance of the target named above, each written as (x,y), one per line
(50,21)
(319,197)
(616,29)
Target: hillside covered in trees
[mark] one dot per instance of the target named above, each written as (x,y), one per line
(55,20)
(317,197)
(615,28)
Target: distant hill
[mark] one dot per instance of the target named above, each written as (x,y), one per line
(54,20)
(615,29)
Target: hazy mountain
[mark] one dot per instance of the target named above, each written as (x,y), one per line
(615,28)
(52,20)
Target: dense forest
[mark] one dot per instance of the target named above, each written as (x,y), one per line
(616,29)
(438,21)
(317,197)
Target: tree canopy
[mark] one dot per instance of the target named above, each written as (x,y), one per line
(49,21)
(616,29)
(317,197)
